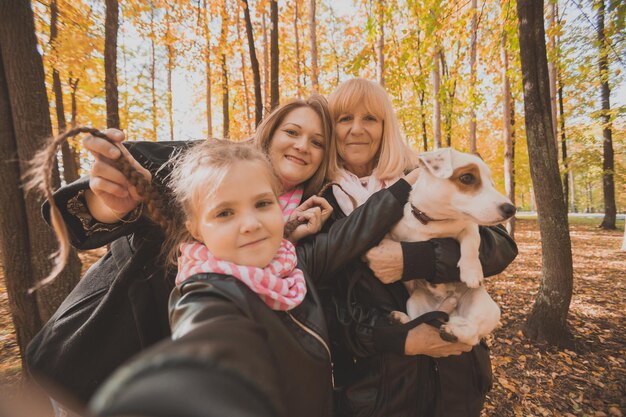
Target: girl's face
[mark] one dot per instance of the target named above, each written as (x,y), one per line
(297,147)
(359,135)
(241,222)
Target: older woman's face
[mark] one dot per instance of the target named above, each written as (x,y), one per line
(359,135)
(297,147)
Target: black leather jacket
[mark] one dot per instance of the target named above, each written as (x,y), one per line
(278,359)
(373,376)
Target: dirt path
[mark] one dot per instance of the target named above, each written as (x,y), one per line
(530,379)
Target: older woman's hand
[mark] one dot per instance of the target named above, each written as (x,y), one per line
(386,261)
(425,339)
(411,177)
(110,196)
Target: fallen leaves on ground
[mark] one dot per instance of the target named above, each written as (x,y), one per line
(530,379)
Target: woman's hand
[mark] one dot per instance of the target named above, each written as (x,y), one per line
(411,177)
(425,340)
(386,261)
(312,213)
(110,196)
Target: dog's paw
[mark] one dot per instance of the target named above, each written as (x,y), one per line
(399,317)
(459,329)
(471,273)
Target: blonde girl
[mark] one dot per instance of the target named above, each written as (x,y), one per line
(249,336)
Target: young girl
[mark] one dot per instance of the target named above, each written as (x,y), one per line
(249,337)
(123,297)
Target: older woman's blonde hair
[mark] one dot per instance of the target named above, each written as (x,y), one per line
(266,129)
(394,156)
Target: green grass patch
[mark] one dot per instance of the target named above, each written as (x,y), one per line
(582,220)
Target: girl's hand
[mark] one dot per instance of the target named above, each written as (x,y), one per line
(386,261)
(312,213)
(110,196)
(425,339)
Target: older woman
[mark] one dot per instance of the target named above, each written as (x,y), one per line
(378,372)
(120,306)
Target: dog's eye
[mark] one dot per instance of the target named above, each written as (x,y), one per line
(467,179)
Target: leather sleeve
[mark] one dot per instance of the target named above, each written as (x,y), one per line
(213,339)
(154,156)
(218,363)
(350,237)
(436,260)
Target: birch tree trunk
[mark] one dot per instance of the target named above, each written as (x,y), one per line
(170,68)
(608,184)
(548,319)
(313,38)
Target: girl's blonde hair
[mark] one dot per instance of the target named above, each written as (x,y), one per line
(198,172)
(270,123)
(394,157)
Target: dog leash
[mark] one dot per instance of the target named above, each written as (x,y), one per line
(433,318)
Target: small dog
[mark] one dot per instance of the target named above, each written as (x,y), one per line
(453,196)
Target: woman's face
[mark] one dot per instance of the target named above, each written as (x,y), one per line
(297,147)
(359,134)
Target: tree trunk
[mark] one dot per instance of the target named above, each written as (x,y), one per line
(111,24)
(566,173)
(548,318)
(73,82)
(244,78)
(552,64)
(423,118)
(275,93)
(473,46)
(313,37)
(624,241)
(25,240)
(266,64)
(436,81)
(155,119)
(70,167)
(225,104)
(207,66)
(508,119)
(608,184)
(380,43)
(297,41)
(170,68)
(258,97)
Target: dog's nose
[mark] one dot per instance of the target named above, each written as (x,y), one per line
(507,210)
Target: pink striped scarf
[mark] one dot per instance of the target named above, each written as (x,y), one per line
(290,200)
(280,284)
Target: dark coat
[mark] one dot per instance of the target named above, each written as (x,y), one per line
(118,308)
(273,363)
(373,376)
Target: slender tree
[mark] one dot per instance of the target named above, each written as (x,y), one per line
(24,125)
(552,64)
(380,42)
(258,97)
(436,83)
(111,24)
(548,318)
(207,66)
(155,118)
(170,68)
(313,39)
(266,63)
(608,166)
(225,103)
(70,165)
(274,55)
(244,75)
(473,48)
(296,30)
(508,120)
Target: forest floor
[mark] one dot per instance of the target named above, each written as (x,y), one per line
(530,379)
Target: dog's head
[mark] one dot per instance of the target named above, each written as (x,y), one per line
(454,184)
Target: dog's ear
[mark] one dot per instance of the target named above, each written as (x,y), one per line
(438,163)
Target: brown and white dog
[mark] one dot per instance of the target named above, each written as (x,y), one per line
(453,196)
